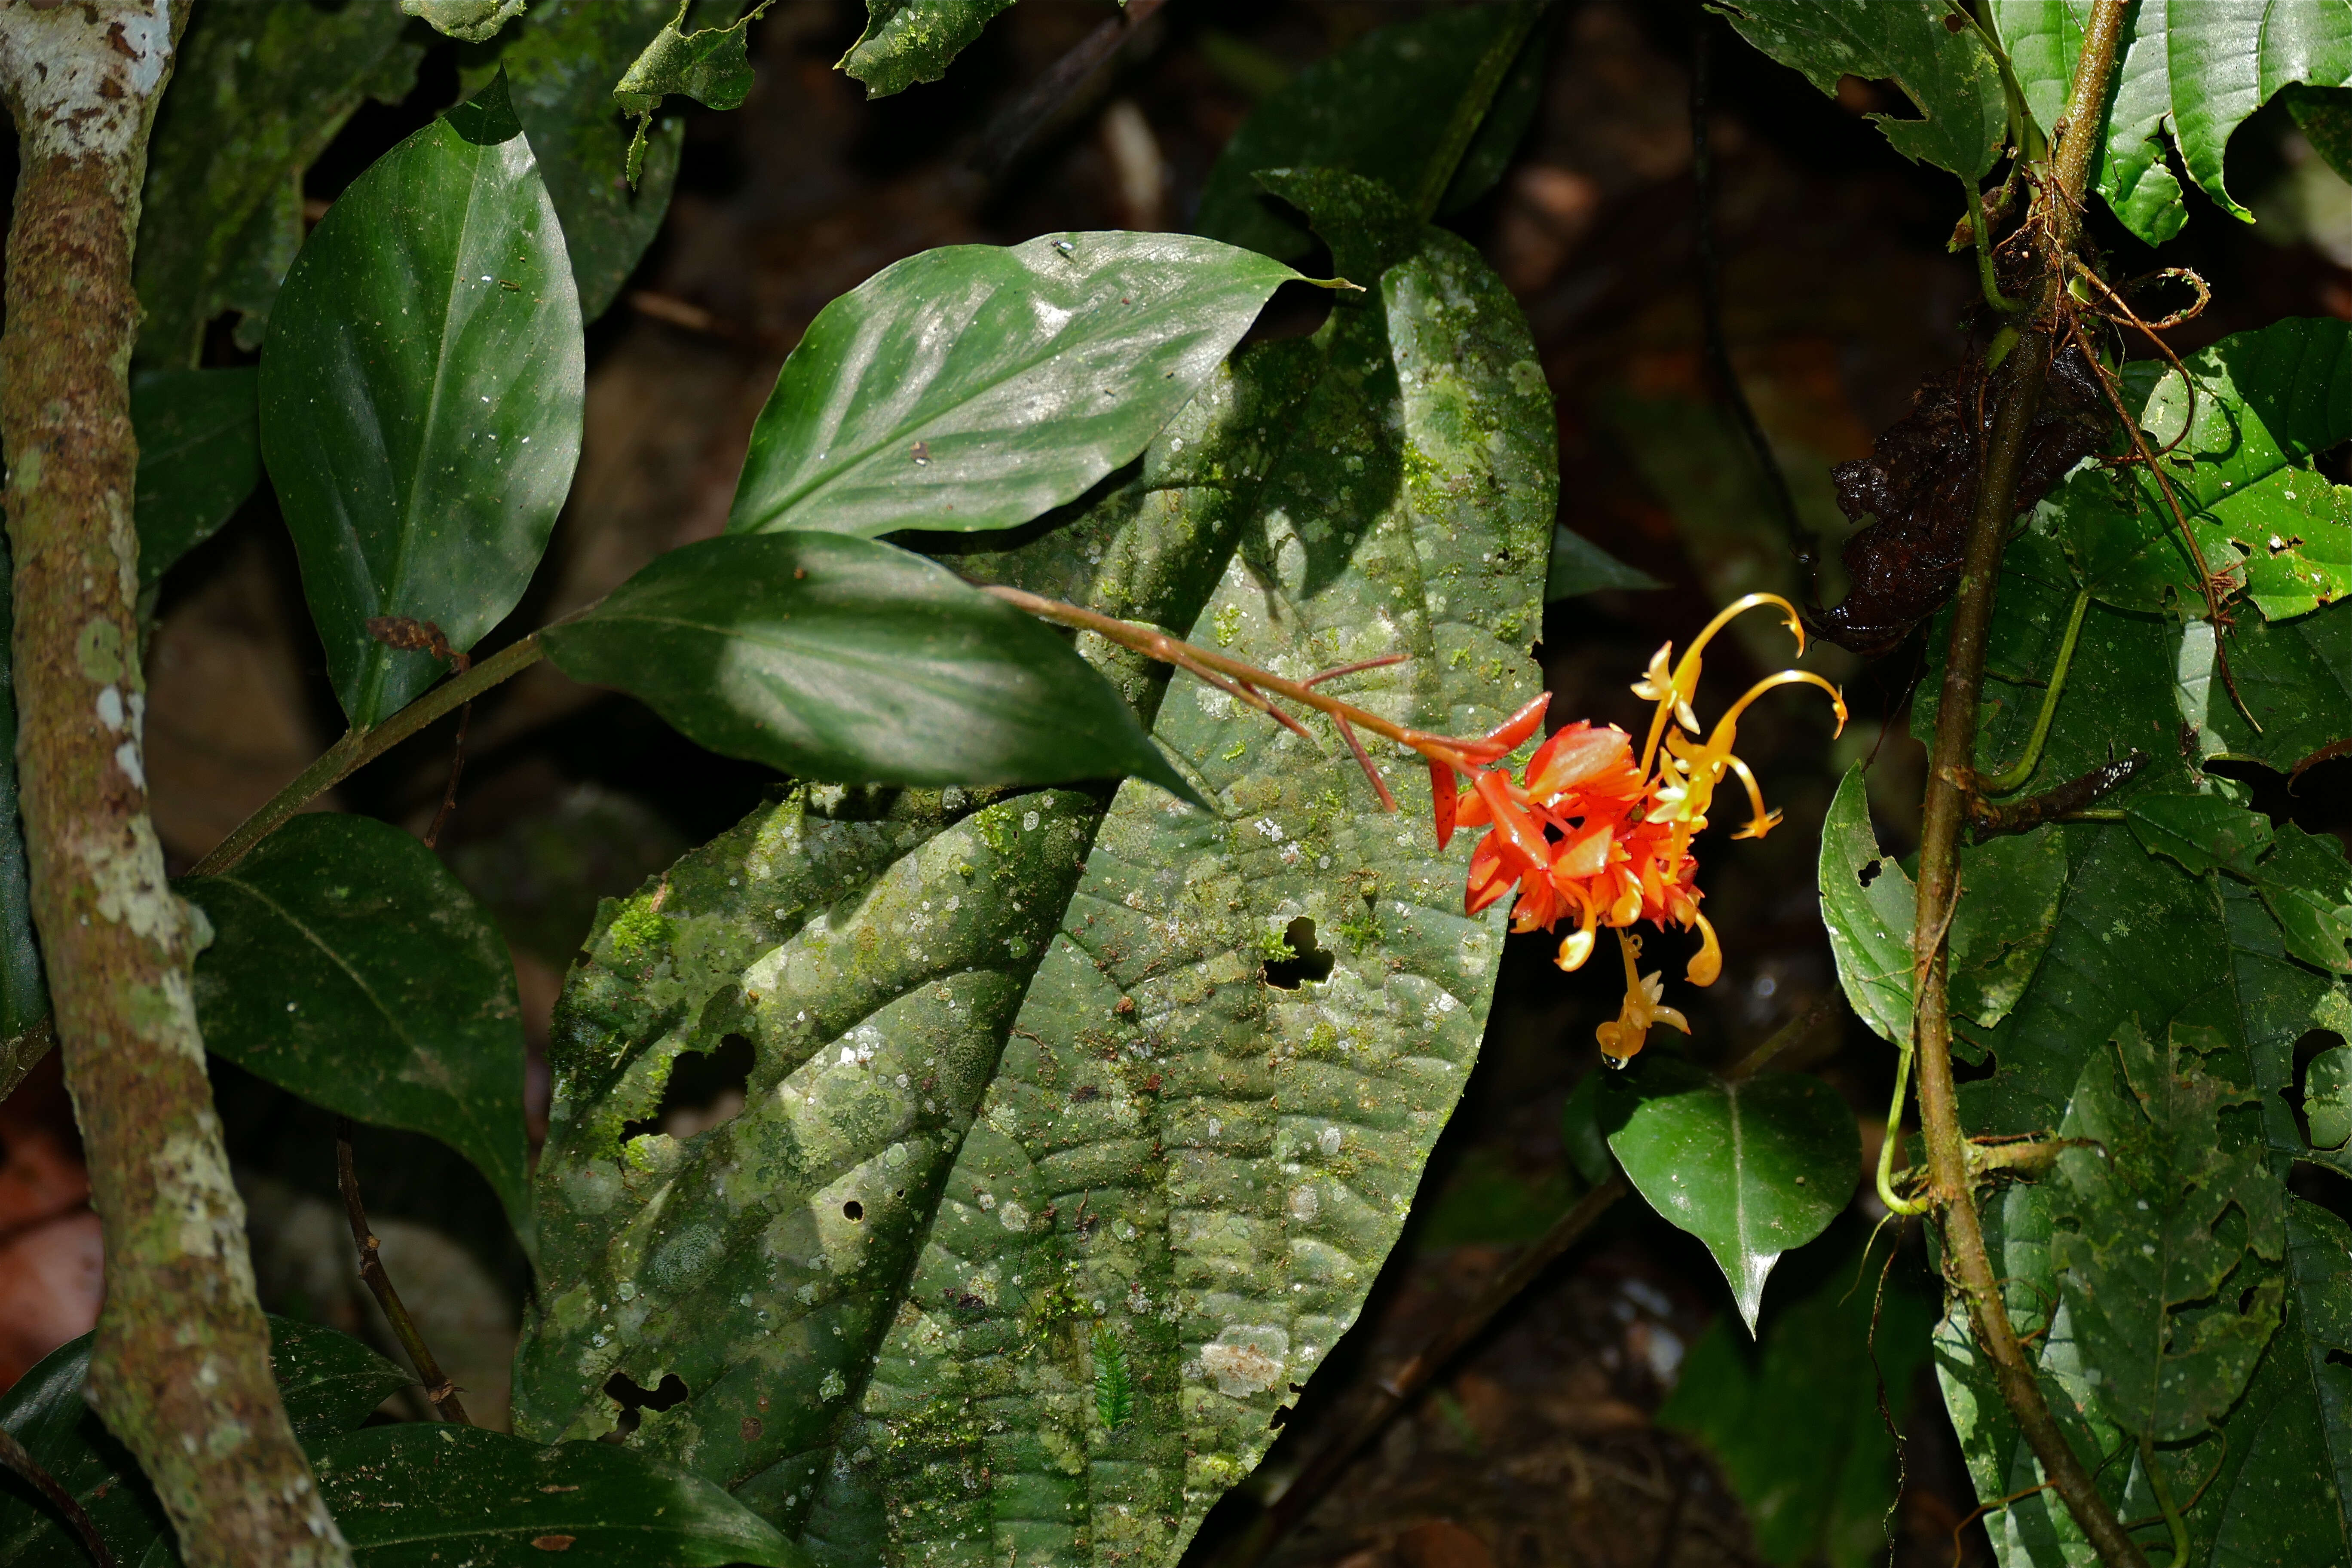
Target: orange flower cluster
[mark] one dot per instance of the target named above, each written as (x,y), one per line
(1590,836)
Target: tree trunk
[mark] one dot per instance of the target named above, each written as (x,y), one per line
(179,1371)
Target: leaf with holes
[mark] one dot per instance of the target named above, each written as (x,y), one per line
(1017,1071)
(1939,62)
(2266,404)
(258,90)
(1376,108)
(349,966)
(2307,884)
(973,387)
(199,457)
(834,658)
(2188,72)
(1752,1169)
(421,397)
(330,1381)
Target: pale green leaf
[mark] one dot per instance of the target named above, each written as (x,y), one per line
(907,41)
(474,21)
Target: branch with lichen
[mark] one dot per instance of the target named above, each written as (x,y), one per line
(179,1369)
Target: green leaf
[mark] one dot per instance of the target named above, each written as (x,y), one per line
(559,62)
(421,398)
(23,989)
(1085,987)
(1950,76)
(2190,68)
(2328,1098)
(2308,887)
(2200,831)
(330,1381)
(473,21)
(258,90)
(974,387)
(2010,889)
(1752,1169)
(710,65)
(2323,115)
(1796,1421)
(1580,566)
(2167,1236)
(425,1494)
(841,658)
(907,41)
(1374,109)
(2266,404)
(349,966)
(199,457)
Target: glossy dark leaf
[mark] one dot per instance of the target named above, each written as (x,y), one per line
(1376,108)
(974,387)
(258,90)
(419,1495)
(2323,115)
(561,59)
(2200,831)
(1389,483)
(1752,1169)
(834,658)
(1581,566)
(199,457)
(421,397)
(330,1381)
(1795,1420)
(1947,73)
(23,989)
(349,966)
(907,41)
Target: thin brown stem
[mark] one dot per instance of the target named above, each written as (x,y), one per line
(457,771)
(1364,760)
(360,747)
(439,1390)
(1383,662)
(1950,783)
(179,1367)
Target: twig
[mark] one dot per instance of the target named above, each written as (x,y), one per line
(1981,1510)
(425,636)
(179,1369)
(2063,803)
(360,747)
(1801,543)
(2058,219)
(438,1389)
(19,1459)
(1011,132)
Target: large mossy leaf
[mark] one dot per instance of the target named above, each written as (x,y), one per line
(838,659)
(1021,1087)
(975,386)
(329,1382)
(421,397)
(1379,108)
(2256,411)
(1945,71)
(260,87)
(348,965)
(2188,72)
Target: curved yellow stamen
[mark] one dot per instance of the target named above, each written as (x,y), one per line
(1706,963)
(1575,948)
(1764,821)
(1726,726)
(1684,684)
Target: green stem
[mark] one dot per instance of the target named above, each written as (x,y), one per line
(1895,1202)
(2178,1525)
(360,747)
(2013,778)
(1471,111)
(1980,223)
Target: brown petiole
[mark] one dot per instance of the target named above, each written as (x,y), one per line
(438,1389)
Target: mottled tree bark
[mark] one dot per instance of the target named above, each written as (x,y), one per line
(181,1367)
